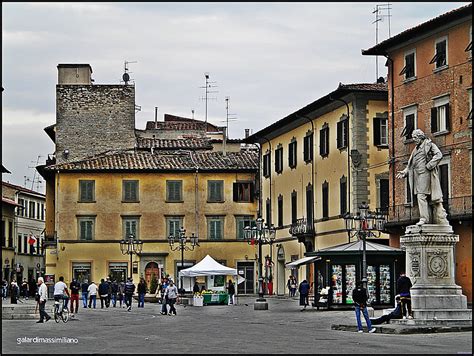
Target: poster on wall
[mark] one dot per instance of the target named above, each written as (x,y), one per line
(49,278)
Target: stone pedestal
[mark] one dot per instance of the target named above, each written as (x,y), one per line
(260,304)
(430,266)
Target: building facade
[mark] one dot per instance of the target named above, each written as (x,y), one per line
(148,186)
(24,232)
(317,164)
(430,88)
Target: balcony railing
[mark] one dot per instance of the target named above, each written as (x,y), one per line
(459,207)
(301,227)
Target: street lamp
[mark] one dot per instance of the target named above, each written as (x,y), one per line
(262,235)
(363,224)
(182,241)
(131,246)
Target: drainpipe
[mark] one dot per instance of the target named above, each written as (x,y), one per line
(392,109)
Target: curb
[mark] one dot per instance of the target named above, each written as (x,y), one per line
(405,329)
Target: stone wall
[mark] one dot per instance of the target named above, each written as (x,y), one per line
(91,119)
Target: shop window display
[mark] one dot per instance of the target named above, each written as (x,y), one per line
(336,284)
(385,284)
(372,283)
(350,282)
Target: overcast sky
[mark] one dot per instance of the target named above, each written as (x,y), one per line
(270,59)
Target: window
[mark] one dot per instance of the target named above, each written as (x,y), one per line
(342,132)
(20,209)
(215,191)
(440,115)
(130,190)
(215,225)
(174,190)
(325,200)
(383,194)
(324,140)
(309,204)
(86,191)
(243,191)
(292,153)
(440,58)
(268,211)
(266,165)
(86,227)
(130,227)
(380,131)
(279,159)
(25,244)
(469,46)
(173,224)
(294,207)
(32,210)
(410,120)
(10,234)
(343,195)
(42,211)
(280,210)
(443,168)
(19,237)
(241,222)
(38,211)
(308,147)
(409,68)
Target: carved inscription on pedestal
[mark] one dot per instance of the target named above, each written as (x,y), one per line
(415,263)
(437,264)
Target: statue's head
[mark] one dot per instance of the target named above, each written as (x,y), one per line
(418,135)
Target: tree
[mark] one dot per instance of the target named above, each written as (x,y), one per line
(153,284)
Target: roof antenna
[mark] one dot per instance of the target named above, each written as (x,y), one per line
(126,75)
(226,128)
(207,87)
(379,17)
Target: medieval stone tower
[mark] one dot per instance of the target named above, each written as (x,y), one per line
(91,119)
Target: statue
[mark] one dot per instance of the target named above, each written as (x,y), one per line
(422,172)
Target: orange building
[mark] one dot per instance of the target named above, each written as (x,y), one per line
(430,88)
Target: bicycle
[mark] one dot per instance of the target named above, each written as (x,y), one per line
(60,314)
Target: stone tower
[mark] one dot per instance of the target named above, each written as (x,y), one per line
(90,118)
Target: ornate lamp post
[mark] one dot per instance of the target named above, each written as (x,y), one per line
(182,241)
(131,246)
(262,235)
(363,224)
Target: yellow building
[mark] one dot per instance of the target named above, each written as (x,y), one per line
(108,181)
(309,180)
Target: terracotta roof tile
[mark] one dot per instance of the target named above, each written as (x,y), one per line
(365,86)
(163,144)
(163,160)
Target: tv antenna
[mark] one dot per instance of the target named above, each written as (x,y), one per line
(378,18)
(126,74)
(226,129)
(207,87)
(35,179)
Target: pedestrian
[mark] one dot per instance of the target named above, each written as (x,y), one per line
(61,293)
(4,289)
(359,296)
(121,292)
(172,296)
(394,314)
(304,294)
(141,289)
(14,292)
(92,290)
(43,297)
(196,287)
(114,287)
(103,291)
(25,289)
(289,283)
(231,291)
(293,286)
(403,289)
(85,293)
(128,292)
(74,286)
(424,180)
(109,292)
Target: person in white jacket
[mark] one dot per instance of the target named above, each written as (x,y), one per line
(92,290)
(43,297)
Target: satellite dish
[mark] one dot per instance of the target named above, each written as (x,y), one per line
(126,77)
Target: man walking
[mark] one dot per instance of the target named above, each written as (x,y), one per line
(129,289)
(92,290)
(43,297)
(304,294)
(84,287)
(114,290)
(359,296)
(141,289)
(74,286)
(172,294)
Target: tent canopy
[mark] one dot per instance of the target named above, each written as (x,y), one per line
(207,267)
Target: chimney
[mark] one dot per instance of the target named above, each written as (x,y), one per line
(247,133)
(74,74)
(156,117)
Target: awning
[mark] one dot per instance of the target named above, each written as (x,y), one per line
(302,261)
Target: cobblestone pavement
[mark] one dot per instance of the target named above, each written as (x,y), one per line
(217,329)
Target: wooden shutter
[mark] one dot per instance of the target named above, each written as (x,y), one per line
(376,125)
(235,191)
(293,207)
(448,117)
(325,200)
(339,135)
(384,194)
(252,191)
(434,119)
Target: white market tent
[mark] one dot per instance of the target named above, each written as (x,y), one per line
(208,267)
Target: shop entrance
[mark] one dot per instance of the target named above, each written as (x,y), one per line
(246,270)
(118,271)
(81,272)
(152,269)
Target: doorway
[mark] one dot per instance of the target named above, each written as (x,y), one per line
(151,269)
(247,271)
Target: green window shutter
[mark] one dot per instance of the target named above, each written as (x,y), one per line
(376,126)
(434,119)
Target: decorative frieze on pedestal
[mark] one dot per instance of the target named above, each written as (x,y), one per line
(430,266)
